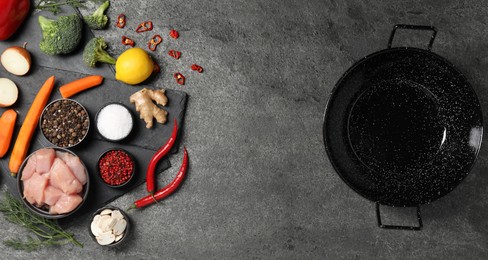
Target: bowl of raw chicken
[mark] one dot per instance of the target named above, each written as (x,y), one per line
(53,182)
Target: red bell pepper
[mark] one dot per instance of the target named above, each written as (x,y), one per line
(12,14)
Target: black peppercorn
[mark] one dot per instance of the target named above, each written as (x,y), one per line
(65,123)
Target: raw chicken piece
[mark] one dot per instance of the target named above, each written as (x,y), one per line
(34,188)
(45,158)
(62,178)
(66,203)
(75,165)
(29,168)
(52,195)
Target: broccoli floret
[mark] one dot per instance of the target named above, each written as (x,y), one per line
(95,52)
(97,20)
(60,36)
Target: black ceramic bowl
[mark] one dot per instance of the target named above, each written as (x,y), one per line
(114,139)
(46,132)
(128,181)
(127,228)
(43,212)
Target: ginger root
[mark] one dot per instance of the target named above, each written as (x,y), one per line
(143,100)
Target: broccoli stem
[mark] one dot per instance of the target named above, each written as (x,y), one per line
(101,9)
(105,57)
(45,22)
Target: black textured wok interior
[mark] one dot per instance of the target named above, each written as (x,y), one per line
(403,127)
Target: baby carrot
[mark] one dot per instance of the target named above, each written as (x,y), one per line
(7,121)
(21,147)
(75,87)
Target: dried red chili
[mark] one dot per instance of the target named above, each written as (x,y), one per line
(180,79)
(174,34)
(154,42)
(144,27)
(174,54)
(197,68)
(156,68)
(116,167)
(127,41)
(120,21)
(168,189)
(164,150)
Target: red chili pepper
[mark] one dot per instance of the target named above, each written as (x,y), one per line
(144,27)
(127,41)
(197,68)
(154,42)
(168,190)
(174,34)
(180,79)
(156,68)
(120,21)
(164,150)
(174,54)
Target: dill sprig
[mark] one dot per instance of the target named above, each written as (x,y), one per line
(48,232)
(54,5)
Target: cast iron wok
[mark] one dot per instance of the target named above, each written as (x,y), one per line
(403,126)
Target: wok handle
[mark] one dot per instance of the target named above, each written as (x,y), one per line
(414,27)
(378,216)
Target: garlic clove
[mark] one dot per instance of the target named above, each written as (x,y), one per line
(118,237)
(117,215)
(119,228)
(96,231)
(106,238)
(106,212)
(105,223)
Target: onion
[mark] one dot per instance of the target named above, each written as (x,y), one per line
(8,92)
(16,60)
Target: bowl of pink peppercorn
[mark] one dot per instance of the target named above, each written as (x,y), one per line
(116,167)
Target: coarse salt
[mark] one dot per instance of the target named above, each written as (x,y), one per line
(114,122)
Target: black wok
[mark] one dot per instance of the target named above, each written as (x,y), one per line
(403,126)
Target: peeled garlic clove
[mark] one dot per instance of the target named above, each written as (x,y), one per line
(96,231)
(120,226)
(105,223)
(106,212)
(118,237)
(117,215)
(112,223)
(106,238)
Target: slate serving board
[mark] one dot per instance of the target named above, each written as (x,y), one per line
(30,32)
(142,142)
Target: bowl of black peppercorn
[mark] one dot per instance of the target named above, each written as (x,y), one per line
(64,123)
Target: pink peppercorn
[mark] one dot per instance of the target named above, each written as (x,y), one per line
(116,167)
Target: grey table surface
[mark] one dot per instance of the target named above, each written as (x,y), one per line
(260,185)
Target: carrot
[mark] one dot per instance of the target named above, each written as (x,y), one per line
(7,121)
(19,152)
(79,85)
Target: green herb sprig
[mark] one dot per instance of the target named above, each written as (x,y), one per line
(55,5)
(48,231)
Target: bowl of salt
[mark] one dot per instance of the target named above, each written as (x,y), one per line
(114,122)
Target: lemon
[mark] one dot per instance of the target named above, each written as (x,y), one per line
(133,66)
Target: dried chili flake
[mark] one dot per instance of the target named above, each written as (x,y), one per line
(174,54)
(154,42)
(174,34)
(196,67)
(144,27)
(127,41)
(180,79)
(120,21)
